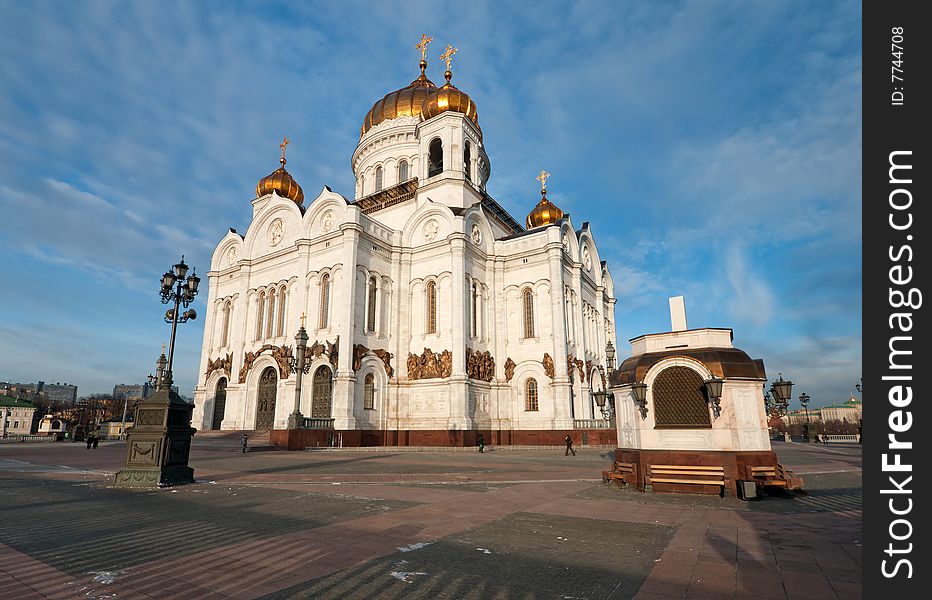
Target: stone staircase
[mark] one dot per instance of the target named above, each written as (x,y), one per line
(229,441)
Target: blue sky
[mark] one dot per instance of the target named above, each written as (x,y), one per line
(715,146)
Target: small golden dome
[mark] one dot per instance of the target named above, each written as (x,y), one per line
(405,102)
(281,182)
(545,213)
(447,98)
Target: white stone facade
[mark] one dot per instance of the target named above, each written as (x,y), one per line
(742,422)
(362,275)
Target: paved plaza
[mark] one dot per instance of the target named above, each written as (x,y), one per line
(388,524)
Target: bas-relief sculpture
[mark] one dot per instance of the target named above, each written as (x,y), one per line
(430,365)
(548,366)
(509,369)
(480,365)
(360,351)
(224,364)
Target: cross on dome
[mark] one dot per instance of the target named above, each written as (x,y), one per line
(422,45)
(283,145)
(542,178)
(447,56)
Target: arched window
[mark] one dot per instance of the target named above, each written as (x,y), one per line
(368,394)
(402,171)
(528,313)
(324,301)
(431,325)
(475,309)
(270,320)
(281,311)
(225,334)
(362,185)
(530,394)
(467,161)
(260,313)
(679,401)
(378,179)
(435,158)
(370,314)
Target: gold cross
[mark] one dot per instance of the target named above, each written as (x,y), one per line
(423,45)
(448,55)
(542,178)
(163,347)
(283,145)
(302,320)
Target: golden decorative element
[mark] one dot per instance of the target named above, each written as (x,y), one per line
(280,181)
(509,369)
(480,365)
(224,364)
(302,319)
(447,55)
(360,351)
(546,212)
(573,362)
(281,354)
(422,46)
(548,366)
(283,145)
(429,365)
(405,102)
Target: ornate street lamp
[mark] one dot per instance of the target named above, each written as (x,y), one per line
(610,356)
(177,287)
(300,365)
(605,401)
(804,401)
(780,393)
(640,397)
(713,391)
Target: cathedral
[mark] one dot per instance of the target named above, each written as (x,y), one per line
(428,308)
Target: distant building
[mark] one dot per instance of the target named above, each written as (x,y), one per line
(61,392)
(135,390)
(849,411)
(15,416)
(53,425)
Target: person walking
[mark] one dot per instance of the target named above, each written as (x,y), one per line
(96,439)
(481,444)
(89,439)
(569,445)
(244,442)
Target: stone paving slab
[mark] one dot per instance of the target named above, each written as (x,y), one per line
(300,525)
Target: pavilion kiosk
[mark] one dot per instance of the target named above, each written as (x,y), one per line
(690,412)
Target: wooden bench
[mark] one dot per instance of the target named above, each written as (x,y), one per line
(774,476)
(687,474)
(621,471)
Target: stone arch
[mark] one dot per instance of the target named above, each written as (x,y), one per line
(680,392)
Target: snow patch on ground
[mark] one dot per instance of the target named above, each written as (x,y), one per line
(106,577)
(406,576)
(484,550)
(416,546)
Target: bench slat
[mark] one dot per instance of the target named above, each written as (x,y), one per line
(696,467)
(695,481)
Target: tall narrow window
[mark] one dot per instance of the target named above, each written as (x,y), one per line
(378,179)
(260,313)
(467,161)
(270,320)
(281,312)
(370,314)
(324,301)
(368,396)
(528,313)
(435,158)
(475,308)
(431,325)
(402,171)
(530,394)
(225,335)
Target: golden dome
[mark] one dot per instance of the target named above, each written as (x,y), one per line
(545,213)
(405,102)
(281,182)
(448,98)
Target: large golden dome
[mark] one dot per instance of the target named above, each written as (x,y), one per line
(405,102)
(281,182)
(545,213)
(447,98)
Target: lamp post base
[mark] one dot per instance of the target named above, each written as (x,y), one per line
(296,420)
(159,443)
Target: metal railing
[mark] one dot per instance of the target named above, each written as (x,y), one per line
(310,423)
(592,424)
